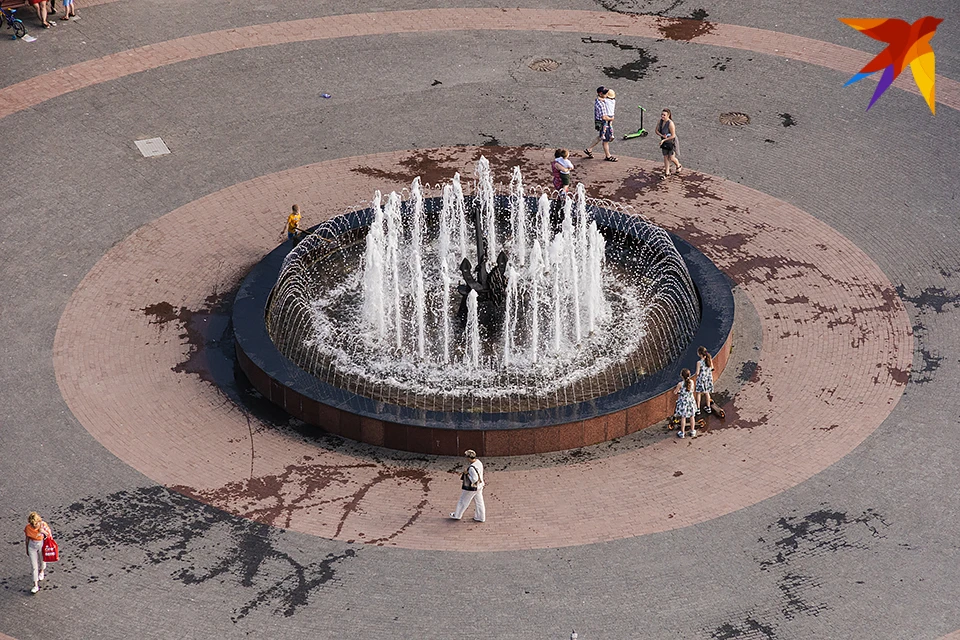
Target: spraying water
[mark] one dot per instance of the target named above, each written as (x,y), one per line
(589,304)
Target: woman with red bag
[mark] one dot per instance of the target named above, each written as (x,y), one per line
(35,531)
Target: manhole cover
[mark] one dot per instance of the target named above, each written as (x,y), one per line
(152,147)
(734,118)
(544,64)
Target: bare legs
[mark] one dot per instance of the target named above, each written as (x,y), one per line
(606,147)
(42,13)
(666,164)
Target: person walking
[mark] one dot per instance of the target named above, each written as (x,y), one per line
(704,376)
(561,168)
(35,531)
(603,123)
(668,141)
(472,489)
(686,405)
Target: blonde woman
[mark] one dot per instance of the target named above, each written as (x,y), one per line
(35,531)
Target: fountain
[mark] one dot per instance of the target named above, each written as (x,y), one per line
(562,311)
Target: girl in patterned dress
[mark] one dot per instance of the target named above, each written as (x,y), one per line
(704,376)
(686,406)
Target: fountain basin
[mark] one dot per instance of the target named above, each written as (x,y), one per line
(378,422)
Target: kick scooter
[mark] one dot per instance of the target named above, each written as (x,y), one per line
(641,132)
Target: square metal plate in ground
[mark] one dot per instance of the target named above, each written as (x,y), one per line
(152,147)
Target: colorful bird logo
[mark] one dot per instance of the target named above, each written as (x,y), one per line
(909,44)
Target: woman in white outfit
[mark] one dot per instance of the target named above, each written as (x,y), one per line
(35,531)
(472,489)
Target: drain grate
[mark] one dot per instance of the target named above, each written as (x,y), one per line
(734,118)
(152,147)
(544,64)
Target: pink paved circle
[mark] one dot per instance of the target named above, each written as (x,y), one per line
(56,83)
(836,351)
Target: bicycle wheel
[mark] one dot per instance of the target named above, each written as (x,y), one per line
(18,29)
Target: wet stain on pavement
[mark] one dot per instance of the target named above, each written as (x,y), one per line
(936,299)
(787,120)
(929,301)
(697,187)
(197,327)
(207,333)
(635,70)
(492,140)
(611,42)
(686,29)
(634,183)
(194,543)
(721,63)
(748,371)
(504,159)
(311,486)
(432,167)
(746,629)
(792,558)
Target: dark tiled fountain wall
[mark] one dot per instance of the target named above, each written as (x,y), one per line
(347,414)
(453,441)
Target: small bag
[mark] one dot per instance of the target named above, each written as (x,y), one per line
(50,552)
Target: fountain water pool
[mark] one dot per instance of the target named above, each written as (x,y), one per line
(595,307)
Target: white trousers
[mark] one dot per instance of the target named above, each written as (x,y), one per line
(466,497)
(35,551)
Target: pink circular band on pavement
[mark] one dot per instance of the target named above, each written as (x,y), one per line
(56,83)
(836,353)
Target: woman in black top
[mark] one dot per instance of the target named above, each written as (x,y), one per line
(668,141)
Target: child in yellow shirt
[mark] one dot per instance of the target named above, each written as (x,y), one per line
(294,232)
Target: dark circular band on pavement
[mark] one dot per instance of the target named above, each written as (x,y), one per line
(351,415)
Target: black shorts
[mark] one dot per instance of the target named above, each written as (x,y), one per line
(668,148)
(598,124)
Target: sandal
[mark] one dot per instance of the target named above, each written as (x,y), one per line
(46,25)
(679,169)
(588,153)
(611,158)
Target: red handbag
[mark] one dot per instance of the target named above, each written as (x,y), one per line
(50,551)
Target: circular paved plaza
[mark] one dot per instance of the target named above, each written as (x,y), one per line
(187,505)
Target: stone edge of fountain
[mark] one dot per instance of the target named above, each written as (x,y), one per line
(355,417)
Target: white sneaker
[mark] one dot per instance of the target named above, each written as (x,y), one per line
(693,434)
(454,516)
(41,576)
(35,589)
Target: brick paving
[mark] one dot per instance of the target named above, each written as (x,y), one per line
(834,333)
(28,93)
(861,549)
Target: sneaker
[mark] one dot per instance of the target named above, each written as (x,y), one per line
(693,434)
(708,409)
(679,434)
(41,576)
(476,520)
(35,589)
(454,516)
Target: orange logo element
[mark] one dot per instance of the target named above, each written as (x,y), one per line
(908,44)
